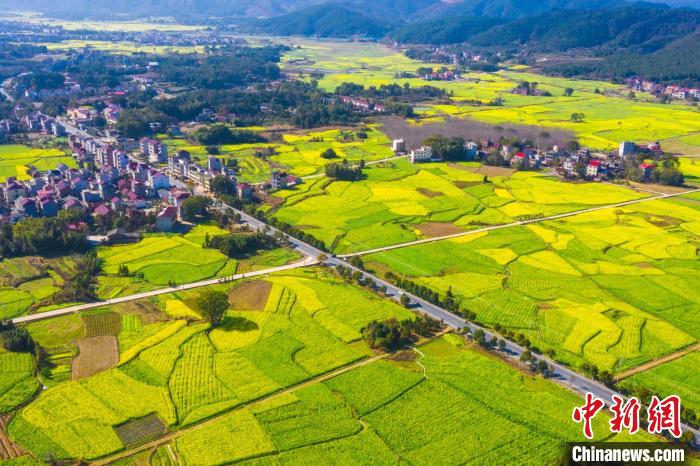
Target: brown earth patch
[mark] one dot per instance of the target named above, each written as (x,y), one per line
(465,184)
(644,265)
(429,193)
(434,229)
(485,170)
(494,171)
(8,449)
(97,354)
(250,296)
(149,312)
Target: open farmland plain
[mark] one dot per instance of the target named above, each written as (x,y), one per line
(184,372)
(609,117)
(420,411)
(161,259)
(298,153)
(612,288)
(399,202)
(28,284)
(16,159)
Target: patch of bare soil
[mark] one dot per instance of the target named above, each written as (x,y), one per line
(429,193)
(97,354)
(494,171)
(465,184)
(148,312)
(250,296)
(434,229)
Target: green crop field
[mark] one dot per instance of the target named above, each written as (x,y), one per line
(17,383)
(185,372)
(159,259)
(15,160)
(299,152)
(613,288)
(26,282)
(610,118)
(403,202)
(388,413)
(679,377)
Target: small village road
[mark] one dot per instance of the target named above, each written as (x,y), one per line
(514,224)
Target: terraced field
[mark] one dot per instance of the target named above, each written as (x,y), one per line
(401,202)
(612,288)
(610,118)
(184,372)
(16,159)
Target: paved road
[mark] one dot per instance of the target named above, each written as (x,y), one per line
(559,373)
(513,224)
(84,307)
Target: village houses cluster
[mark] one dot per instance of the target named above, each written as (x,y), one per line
(581,163)
(677,92)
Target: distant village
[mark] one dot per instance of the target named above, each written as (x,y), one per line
(581,163)
(677,92)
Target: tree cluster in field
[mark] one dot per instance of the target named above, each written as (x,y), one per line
(42,236)
(15,339)
(81,286)
(666,170)
(212,305)
(237,245)
(391,334)
(297,102)
(451,149)
(236,66)
(194,208)
(216,135)
(343,171)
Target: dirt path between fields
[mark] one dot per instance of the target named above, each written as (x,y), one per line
(178,433)
(657,362)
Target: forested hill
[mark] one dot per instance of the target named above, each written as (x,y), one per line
(323,21)
(640,28)
(390,12)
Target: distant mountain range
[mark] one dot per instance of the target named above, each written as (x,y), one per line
(385,13)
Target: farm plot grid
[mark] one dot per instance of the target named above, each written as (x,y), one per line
(184,372)
(612,288)
(464,397)
(609,117)
(402,202)
(298,153)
